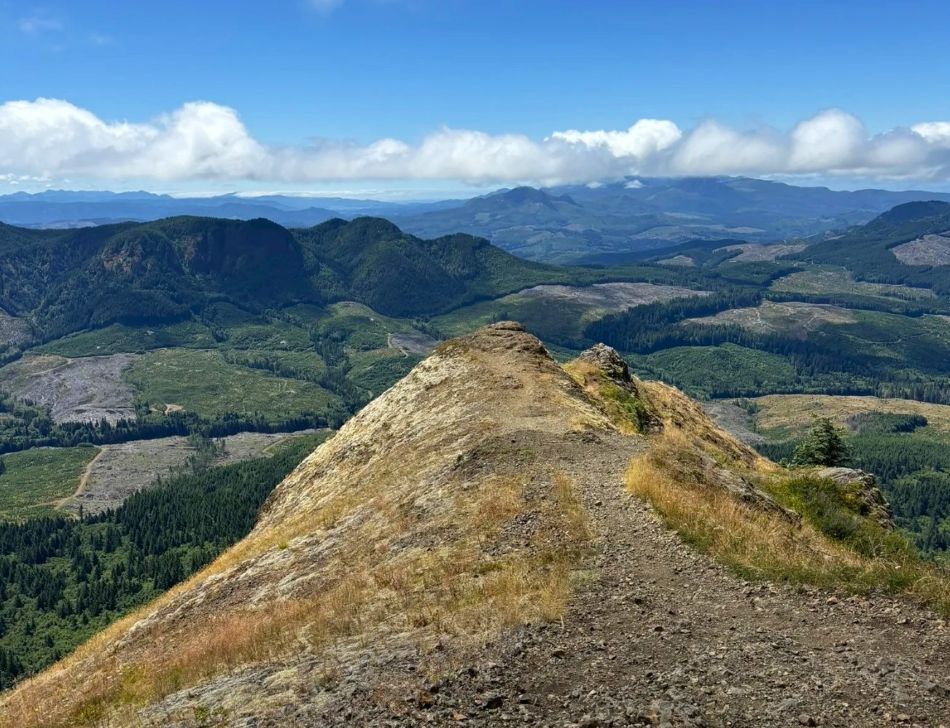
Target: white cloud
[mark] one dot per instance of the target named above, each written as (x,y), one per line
(54,139)
(830,140)
(934,132)
(712,148)
(644,138)
(39,21)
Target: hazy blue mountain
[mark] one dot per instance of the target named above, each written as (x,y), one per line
(575,223)
(69,209)
(579,222)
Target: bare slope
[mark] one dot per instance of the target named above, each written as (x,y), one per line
(926,250)
(90,389)
(465,550)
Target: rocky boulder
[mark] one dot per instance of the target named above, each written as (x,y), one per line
(608,361)
(863,485)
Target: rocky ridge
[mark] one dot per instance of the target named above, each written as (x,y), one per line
(464,552)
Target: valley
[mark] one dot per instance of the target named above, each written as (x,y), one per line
(744,320)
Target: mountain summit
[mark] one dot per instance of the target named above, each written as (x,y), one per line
(471,547)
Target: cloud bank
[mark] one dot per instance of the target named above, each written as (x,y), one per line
(54,140)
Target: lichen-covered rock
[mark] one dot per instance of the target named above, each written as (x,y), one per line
(611,364)
(863,485)
(606,376)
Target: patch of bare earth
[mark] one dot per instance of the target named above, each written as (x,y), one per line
(121,470)
(412,343)
(611,296)
(793,318)
(734,420)
(88,389)
(756,252)
(13,330)
(678,260)
(928,250)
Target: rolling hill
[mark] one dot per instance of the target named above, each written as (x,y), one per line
(167,270)
(869,250)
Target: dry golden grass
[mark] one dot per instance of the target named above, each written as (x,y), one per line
(794,413)
(684,415)
(454,589)
(764,545)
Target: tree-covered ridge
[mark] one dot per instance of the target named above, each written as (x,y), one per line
(372,261)
(173,269)
(866,250)
(63,579)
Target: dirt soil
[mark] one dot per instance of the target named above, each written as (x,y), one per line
(756,252)
(13,330)
(412,343)
(679,260)
(656,634)
(792,318)
(120,470)
(928,250)
(89,389)
(611,296)
(734,420)
(660,635)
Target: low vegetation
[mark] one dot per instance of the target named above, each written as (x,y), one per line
(35,481)
(831,281)
(905,444)
(833,547)
(203,382)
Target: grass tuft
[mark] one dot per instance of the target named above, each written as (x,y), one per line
(834,547)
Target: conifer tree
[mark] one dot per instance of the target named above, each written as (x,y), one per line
(824,445)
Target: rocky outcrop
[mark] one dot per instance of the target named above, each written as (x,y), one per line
(611,364)
(606,376)
(861,487)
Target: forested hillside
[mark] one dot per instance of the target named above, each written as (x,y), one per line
(62,579)
(867,251)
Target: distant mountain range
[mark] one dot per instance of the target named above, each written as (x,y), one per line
(68,209)
(568,224)
(586,224)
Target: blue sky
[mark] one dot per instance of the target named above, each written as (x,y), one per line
(307,76)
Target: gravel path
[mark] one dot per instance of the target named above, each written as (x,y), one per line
(661,635)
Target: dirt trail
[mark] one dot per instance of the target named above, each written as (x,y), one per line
(661,635)
(83,481)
